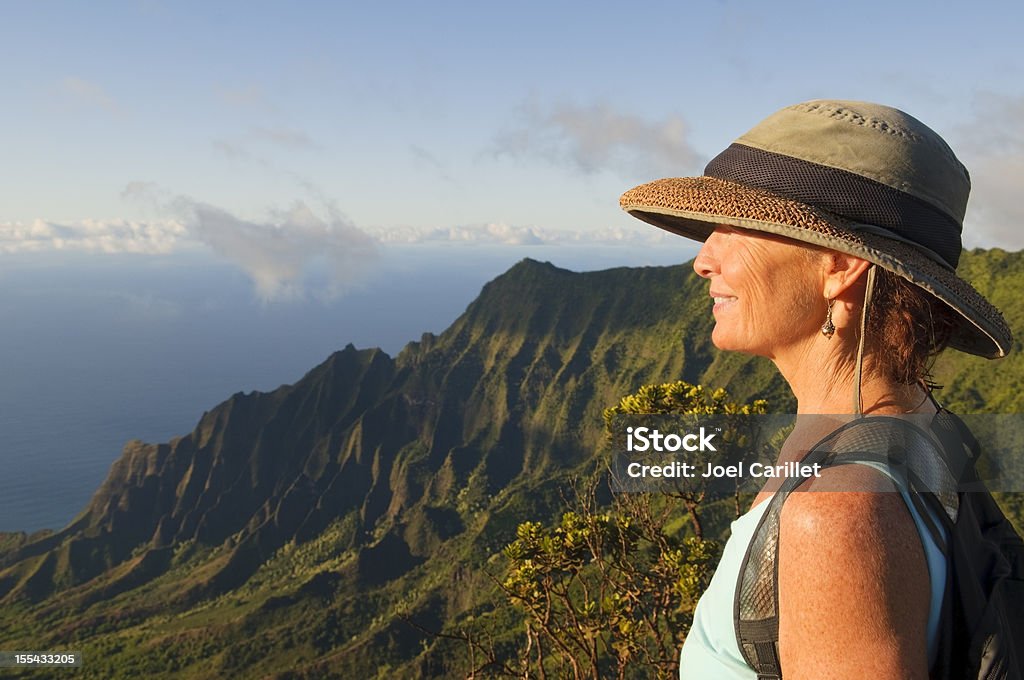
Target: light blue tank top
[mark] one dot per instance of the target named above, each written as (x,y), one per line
(711,650)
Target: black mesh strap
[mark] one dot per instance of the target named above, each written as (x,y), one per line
(843,193)
(901,447)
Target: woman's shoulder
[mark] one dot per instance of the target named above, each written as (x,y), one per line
(850,514)
(855,506)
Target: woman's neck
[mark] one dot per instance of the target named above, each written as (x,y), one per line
(827,386)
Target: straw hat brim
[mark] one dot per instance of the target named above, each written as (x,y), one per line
(692,206)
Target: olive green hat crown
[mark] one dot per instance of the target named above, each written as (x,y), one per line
(860,178)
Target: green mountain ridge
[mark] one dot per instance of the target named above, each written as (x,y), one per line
(281,536)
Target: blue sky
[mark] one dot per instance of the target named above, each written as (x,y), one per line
(277,135)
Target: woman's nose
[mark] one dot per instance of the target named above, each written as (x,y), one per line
(706,264)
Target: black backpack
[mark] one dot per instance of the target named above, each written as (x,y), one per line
(981,631)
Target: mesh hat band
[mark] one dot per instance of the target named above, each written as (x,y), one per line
(846,194)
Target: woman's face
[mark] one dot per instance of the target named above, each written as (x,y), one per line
(767,290)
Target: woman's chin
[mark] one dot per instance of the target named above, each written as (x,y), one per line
(728,342)
(725,343)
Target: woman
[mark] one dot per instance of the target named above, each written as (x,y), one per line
(831,237)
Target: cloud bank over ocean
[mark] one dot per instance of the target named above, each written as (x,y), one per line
(226,233)
(157,237)
(288,253)
(497,233)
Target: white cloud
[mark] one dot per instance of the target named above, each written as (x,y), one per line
(288,254)
(992,148)
(291,254)
(597,138)
(96,236)
(276,252)
(996,207)
(505,234)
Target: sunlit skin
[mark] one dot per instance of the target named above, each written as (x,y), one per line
(853,581)
(763,287)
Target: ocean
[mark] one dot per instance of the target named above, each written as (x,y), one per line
(96,350)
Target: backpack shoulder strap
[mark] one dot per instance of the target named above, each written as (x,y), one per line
(756,603)
(756,610)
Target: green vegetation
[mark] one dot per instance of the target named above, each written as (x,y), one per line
(354,524)
(610,592)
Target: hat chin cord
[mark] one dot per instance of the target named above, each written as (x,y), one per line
(869,289)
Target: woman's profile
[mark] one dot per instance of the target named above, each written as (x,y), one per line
(831,235)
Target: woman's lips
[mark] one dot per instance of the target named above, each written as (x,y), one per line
(722,301)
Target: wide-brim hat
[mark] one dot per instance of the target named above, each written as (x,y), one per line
(859,178)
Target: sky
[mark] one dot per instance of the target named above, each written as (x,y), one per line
(289,137)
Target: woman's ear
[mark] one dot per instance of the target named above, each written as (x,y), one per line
(842,272)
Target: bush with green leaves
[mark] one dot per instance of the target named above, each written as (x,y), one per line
(610,590)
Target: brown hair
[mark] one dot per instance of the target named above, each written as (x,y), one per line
(907,328)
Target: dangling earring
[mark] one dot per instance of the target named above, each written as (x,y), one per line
(828,329)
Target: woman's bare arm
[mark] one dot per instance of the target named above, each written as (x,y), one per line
(853,583)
